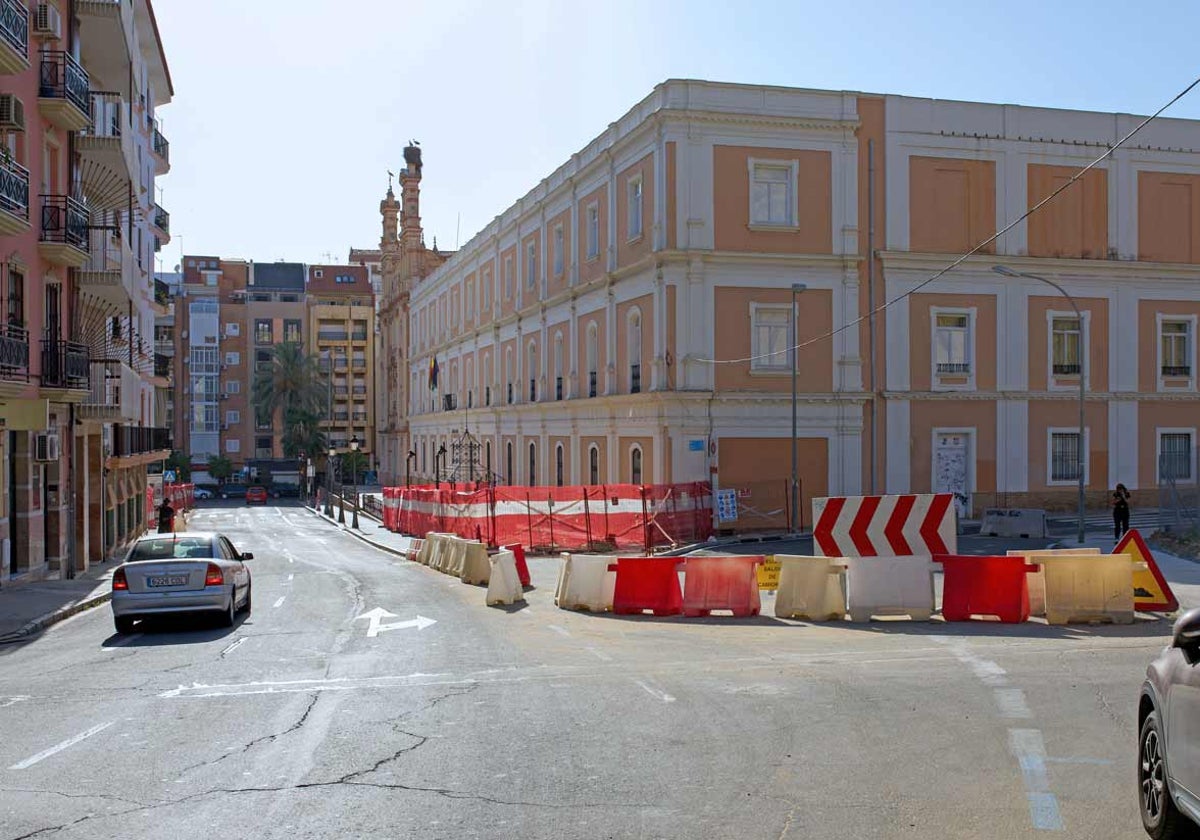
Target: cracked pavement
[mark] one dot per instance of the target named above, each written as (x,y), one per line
(535,722)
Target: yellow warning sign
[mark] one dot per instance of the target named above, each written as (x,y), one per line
(1150,590)
(768,573)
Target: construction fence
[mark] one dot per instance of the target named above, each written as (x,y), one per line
(576,518)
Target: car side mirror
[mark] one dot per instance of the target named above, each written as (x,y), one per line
(1186,634)
(247,555)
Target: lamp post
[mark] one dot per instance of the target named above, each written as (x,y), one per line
(354,479)
(797,288)
(303,481)
(1081,451)
(412,456)
(329,482)
(441,453)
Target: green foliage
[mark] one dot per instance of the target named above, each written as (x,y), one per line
(302,433)
(181,464)
(293,382)
(353,462)
(219,467)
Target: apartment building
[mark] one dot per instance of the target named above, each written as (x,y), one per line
(275,313)
(79,87)
(629,318)
(341,329)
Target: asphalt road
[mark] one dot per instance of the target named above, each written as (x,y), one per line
(535,722)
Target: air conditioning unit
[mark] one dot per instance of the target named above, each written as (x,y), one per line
(45,446)
(47,22)
(224,396)
(12,113)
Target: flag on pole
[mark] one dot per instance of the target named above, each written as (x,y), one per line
(433,373)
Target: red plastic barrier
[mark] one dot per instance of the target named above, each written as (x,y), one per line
(992,586)
(721,583)
(518,551)
(647,583)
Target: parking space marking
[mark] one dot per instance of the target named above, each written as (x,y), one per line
(1028,747)
(57,748)
(1012,703)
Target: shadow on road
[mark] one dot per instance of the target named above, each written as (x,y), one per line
(174,630)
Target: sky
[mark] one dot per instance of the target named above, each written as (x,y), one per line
(288,114)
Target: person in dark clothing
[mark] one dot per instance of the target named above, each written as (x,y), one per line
(166,517)
(1120,506)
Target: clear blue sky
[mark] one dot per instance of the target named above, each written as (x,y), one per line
(288,113)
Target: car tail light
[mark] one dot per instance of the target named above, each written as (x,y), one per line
(119,582)
(213,576)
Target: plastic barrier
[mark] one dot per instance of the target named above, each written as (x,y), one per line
(454,557)
(811,588)
(882,586)
(1013,522)
(439,551)
(647,583)
(985,586)
(728,582)
(518,551)
(1037,580)
(414,549)
(1088,587)
(585,583)
(504,587)
(475,567)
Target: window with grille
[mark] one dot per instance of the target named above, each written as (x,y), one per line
(262,331)
(770,339)
(771,196)
(1065,463)
(1066,346)
(558,465)
(594,465)
(1176,348)
(635,465)
(1175,456)
(952,343)
(532,477)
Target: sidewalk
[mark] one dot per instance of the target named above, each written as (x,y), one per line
(28,608)
(370,531)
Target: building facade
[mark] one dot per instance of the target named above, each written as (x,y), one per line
(341,325)
(629,319)
(79,227)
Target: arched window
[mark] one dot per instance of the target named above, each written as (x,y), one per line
(558,366)
(509,373)
(508,452)
(634,348)
(593,464)
(593,353)
(558,465)
(533,371)
(531,479)
(485,374)
(635,464)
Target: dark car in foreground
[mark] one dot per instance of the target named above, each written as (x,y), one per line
(1169,736)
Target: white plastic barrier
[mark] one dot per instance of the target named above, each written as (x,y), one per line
(1088,587)
(475,567)
(504,585)
(585,583)
(811,588)
(1037,580)
(883,586)
(1013,522)
(435,548)
(452,561)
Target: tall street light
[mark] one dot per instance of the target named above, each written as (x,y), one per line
(797,288)
(354,479)
(329,482)
(1081,451)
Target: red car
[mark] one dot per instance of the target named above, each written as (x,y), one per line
(256,494)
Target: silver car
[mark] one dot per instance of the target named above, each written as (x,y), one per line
(189,572)
(1169,740)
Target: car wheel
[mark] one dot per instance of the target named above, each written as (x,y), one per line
(229,616)
(1160,817)
(123,624)
(249,592)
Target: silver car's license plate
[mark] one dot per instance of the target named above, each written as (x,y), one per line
(168,580)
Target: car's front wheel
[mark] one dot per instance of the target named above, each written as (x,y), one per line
(1160,817)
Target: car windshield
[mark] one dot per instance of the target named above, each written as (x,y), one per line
(168,548)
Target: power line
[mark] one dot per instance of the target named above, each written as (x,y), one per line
(960,260)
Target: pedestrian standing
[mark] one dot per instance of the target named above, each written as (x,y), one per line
(1120,506)
(166,517)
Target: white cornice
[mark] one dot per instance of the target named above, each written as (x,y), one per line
(1057,267)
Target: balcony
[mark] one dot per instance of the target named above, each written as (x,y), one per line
(359,364)
(14,198)
(954,367)
(1176,370)
(360,390)
(108,159)
(63,239)
(64,365)
(162,294)
(139,440)
(113,392)
(340,390)
(63,91)
(108,271)
(341,416)
(14,37)
(162,365)
(1066,369)
(635,379)
(360,417)
(161,220)
(591,383)
(106,36)
(14,359)
(358,335)
(162,152)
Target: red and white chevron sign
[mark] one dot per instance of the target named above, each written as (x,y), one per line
(873,526)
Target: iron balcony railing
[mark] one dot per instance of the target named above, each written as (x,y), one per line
(14,188)
(635,379)
(64,364)
(64,221)
(591,383)
(137,440)
(1068,369)
(162,219)
(161,147)
(162,365)
(953,367)
(332,335)
(162,293)
(341,416)
(358,335)
(340,390)
(1176,370)
(359,364)
(62,78)
(14,25)
(14,353)
(558,388)
(360,417)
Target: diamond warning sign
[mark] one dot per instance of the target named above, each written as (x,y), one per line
(1150,590)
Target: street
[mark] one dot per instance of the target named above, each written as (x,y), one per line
(305,720)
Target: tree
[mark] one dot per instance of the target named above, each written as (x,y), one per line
(353,463)
(302,433)
(180,464)
(294,381)
(219,467)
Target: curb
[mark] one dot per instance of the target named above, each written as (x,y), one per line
(385,548)
(62,613)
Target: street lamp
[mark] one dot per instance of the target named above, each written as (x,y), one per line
(329,482)
(354,479)
(797,288)
(441,453)
(412,456)
(1081,452)
(302,473)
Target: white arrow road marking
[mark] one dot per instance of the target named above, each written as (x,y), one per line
(655,693)
(11,700)
(376,616)
(70,742)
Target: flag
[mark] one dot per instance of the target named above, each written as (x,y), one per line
(433,374)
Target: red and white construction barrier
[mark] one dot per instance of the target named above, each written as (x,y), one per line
(872,526)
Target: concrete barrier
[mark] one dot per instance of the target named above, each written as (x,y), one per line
(585,583)
(1013,522)
(811,588)
(891,586)
(504,584)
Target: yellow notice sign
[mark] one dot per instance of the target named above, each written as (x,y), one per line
(768,573)
(1150,590)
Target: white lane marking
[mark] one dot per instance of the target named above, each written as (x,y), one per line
(70,742)
(1079,759)
(599,654)
(655,693)
(234,646)
(1029,749)
(290,578)
(562,631)
(12,700)
(1012,703)
(279,603)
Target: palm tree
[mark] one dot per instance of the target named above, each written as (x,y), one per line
(302,433)
(294,382)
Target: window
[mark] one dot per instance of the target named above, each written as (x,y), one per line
(318,273)
(559,257)
(15,314)
(508,454)
(593,464)
(770,338)
(951,343)
(634,339)
(487,293)
(772,193)
(508,289)
(593,231)
(531,266)
(232,417)
(262,331)
(558,366)
(635,207)
(532,477)
(233,445)
(635,465)
(470,298)
(262,443)
(233,328)
(1176,348)
(1066,346)
(593,351)
(291,331)
(233,386)
(533,372)
(1065,464)
(233,358)
(558,465)
(1175,456)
